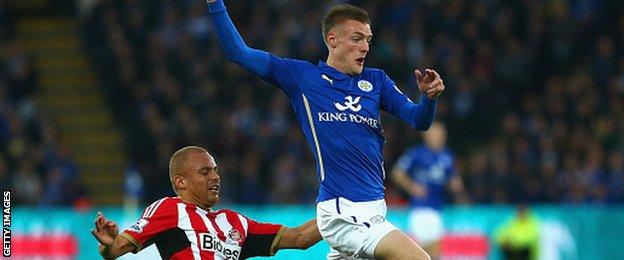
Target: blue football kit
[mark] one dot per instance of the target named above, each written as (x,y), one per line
(430,168)
(338,113)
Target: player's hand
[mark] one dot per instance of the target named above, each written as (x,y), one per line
(105,230)
(418,190)
(429,83)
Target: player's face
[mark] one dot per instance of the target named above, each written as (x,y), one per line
(203,181)
(435,137)
(352,40)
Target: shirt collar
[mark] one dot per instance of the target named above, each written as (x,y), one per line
(332,72)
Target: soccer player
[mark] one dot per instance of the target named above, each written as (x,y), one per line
(186,227)
(423,172)
(337,104)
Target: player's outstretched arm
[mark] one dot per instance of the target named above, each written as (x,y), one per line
(111,244)
(419,115)
(301,237)
(236,50)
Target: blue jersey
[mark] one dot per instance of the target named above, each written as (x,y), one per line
(338,113)
(432,169)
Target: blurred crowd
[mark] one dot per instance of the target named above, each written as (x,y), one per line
(35,164)
(534,100)
(533,114)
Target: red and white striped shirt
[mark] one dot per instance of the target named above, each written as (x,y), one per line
(182,230)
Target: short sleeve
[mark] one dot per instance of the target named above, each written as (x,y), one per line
(406,161)
(159,217)
(261,239)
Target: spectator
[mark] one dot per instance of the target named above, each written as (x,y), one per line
(34,163)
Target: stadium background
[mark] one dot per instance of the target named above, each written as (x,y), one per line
(96,95)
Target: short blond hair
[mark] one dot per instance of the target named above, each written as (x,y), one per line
(178,159)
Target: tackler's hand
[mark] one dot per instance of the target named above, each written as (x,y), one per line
(105,230)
